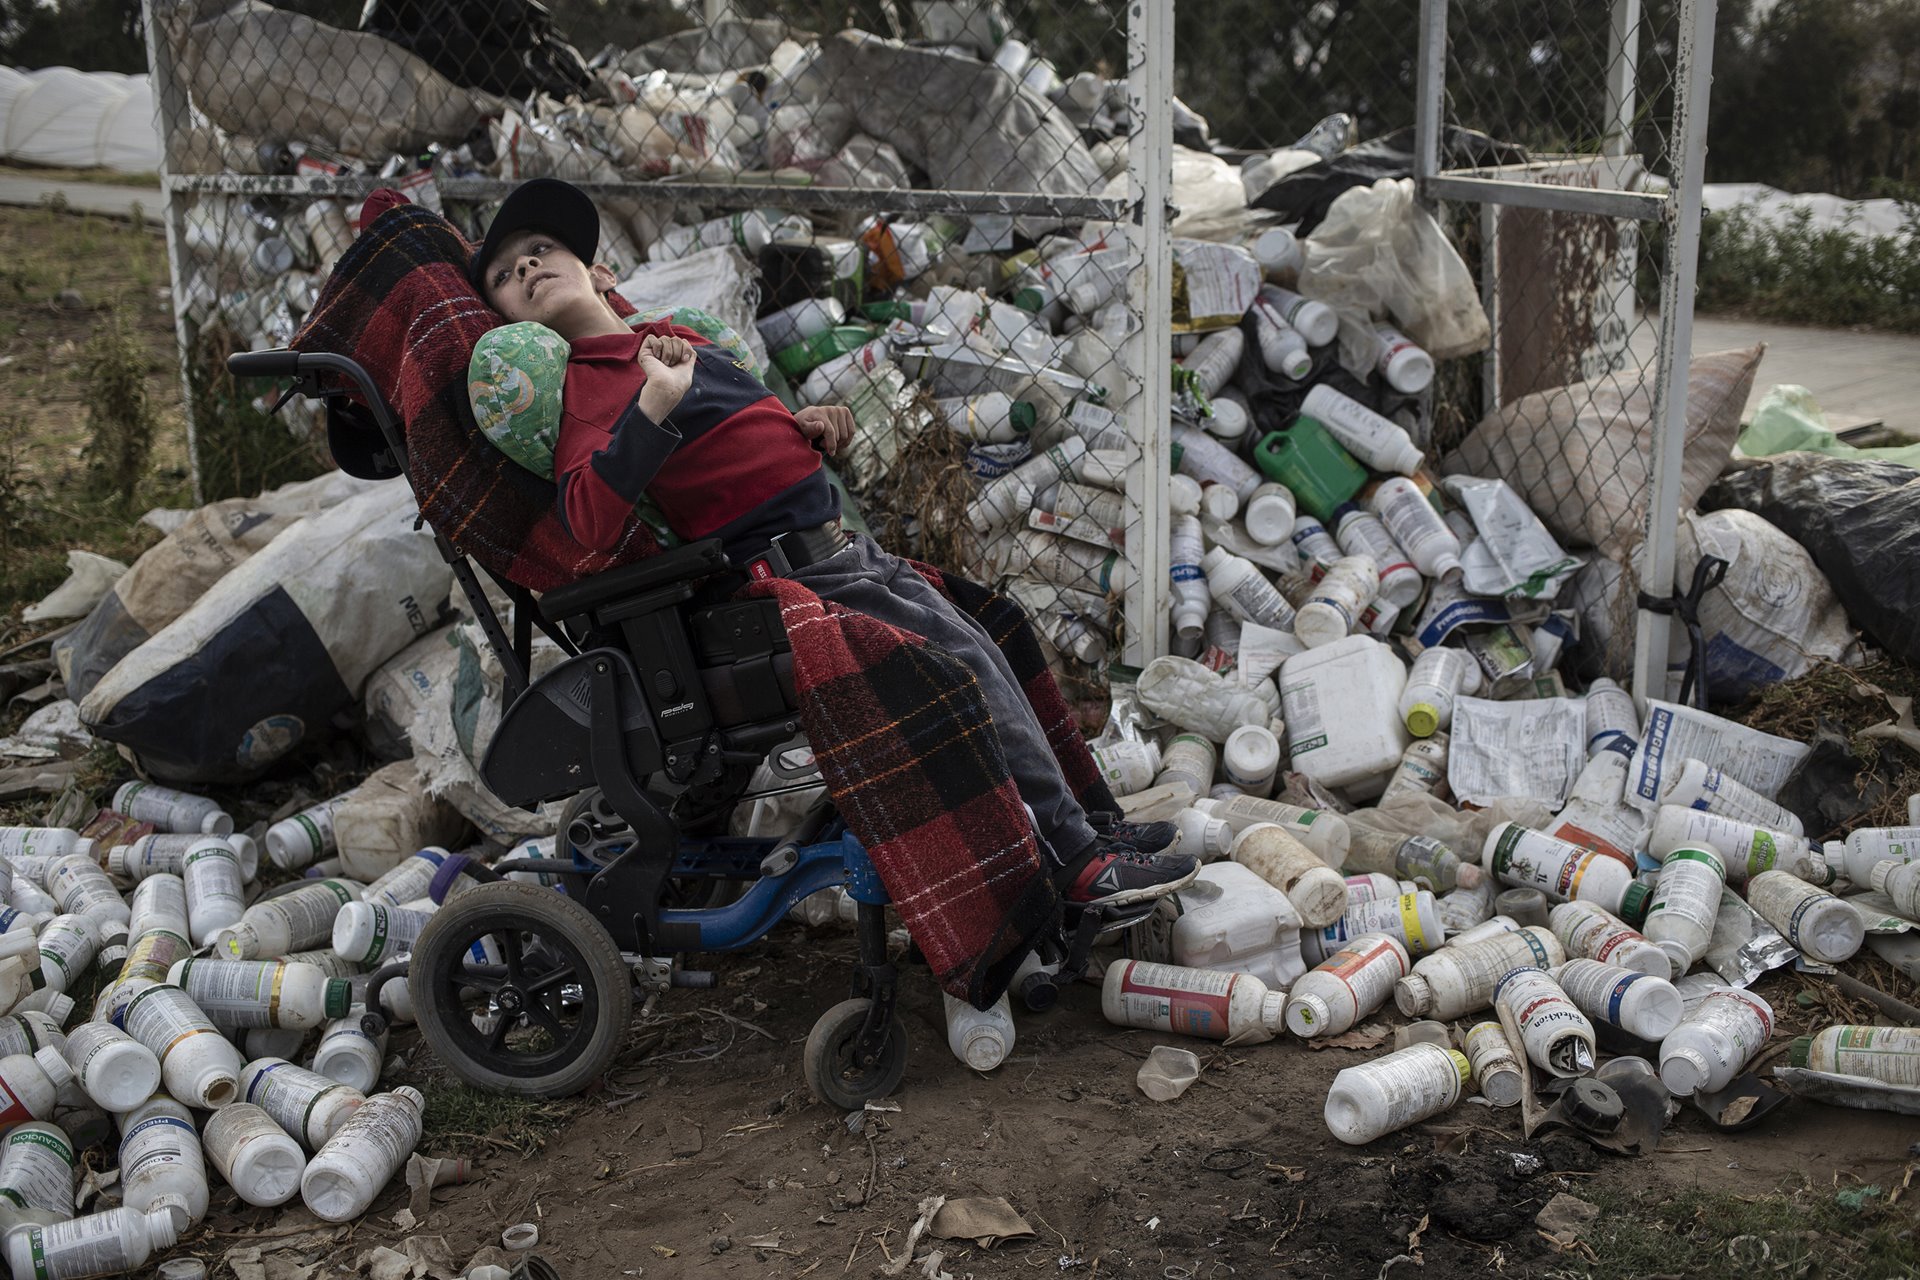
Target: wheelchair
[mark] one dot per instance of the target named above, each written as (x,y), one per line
(670,696)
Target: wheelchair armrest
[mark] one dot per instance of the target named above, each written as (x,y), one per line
(689,563)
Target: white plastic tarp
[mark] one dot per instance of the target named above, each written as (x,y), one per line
(1773,207)
(71,119)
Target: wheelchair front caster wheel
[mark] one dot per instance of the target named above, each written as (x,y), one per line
(833,1074)
(518,989)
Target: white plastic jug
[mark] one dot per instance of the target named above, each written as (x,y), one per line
(1232,920)
(1341,701)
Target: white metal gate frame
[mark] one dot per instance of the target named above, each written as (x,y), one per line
(1677,209)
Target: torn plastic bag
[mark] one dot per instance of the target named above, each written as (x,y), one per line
(508,47)
(730,45)
(170,575)
(1379,253)
(1861,523)
(271,73)
(722,282)
(267,658)
(90,576)
(1579,453)
(1306,194)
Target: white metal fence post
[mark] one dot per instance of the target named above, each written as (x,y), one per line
(1668,446)
(170,108)
(1149,344)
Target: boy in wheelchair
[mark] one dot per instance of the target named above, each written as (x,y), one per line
(659,412)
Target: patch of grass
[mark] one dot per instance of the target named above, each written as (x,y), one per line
(241,450)
(1703,1235)
(462,1120)
(118,411)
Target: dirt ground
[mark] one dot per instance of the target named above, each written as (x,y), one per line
(703,1154)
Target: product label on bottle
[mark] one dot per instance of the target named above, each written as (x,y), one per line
(155,954)
(69,947)
(1418,1081)
(36,1171)
(1889,1054)
(289,1094)
(1744,1017)
(13,1111)
(89,1246)
(1168,998)
(1488,1050)
(1368,970)
(239,993)
(163,1018)
(213,876)
(308,913)
(1306,722)
(155,1144)
(379,1136)
(1689,886)
(1256,600)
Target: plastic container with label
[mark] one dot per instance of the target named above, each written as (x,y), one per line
(1235,1008)
(1270,514)
(981,1039)
(1640,1004)
(1411,918)
(1697,786)
(162,1169)
(254,1155)
(1234,921)
(1407,368)
(1459,980)
(1684,906)
(1250,759)
(36,1176)
(1417,528)
(1340,702)
(1322,831)
(117,1242)
(1589,933)
(1316,321)
(1314,467)
(303,839)
(1334,607)
(1744,848)
(1360,533)
(345,1175)
(1820,925)
(1716,1042)
(309,1106)
(1554,1034)
(299,920)
(1374,440)
(1242,590)
(1564,872)
(216,889)
(1890,1055)
(1496,1067)
(1388,1094)
(1346,986)
(1270,852)
(1438,677)
(197,1064)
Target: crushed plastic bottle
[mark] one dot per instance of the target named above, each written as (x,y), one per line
(1554,1034)
(345,1175)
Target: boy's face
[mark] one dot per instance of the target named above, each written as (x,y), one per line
(535,277)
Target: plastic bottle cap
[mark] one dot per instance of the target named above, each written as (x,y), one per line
(1273,1011)
(1633,903)
(1423,718)
(1592,1106)
(1313,1014)
(339,997)
(1022,416)
(984,1050)
(1800,1051)
(54,1065)
(1684,1070)
(1412,995)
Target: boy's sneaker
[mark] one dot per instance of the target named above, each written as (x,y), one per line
(1117,875)
(1141,837)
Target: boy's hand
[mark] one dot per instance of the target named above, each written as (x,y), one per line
(829,426)
(668,363)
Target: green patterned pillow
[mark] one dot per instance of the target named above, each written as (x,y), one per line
(518,375)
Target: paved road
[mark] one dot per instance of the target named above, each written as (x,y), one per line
(1856,377)
(86,197)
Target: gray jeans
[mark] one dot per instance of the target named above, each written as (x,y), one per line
(868,580)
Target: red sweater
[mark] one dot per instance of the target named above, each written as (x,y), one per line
(729,461)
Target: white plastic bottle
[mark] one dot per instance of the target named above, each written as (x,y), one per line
(29,1085)
(1388,1094)
(1685,903)
(1127,767)
(305,838)
(1333,608)
(1213,362)
(1716,1042)
(30,1031)
(1010,496)
(407,879)
(348,1054)
(1367,886)
(372,935)
(1316,321)
(254,1155)
(1192,590)
(36,1176)
(117,1242)
(115,1070)
(1562,871)
(1496,1067)
(1406,367)
(296,921)
(1822,926)
(1465,909)
(1244,591)
(1323,831)
(307,1105)
(1699,787)
(216,889)
(1202,837)
(981,1040)
(1360,533)
(197,1064)
(78,885)
(1867,847)
(1745,849)
(162,853)
(1369,437)
(1640,1004)
(18,844)
(1612,722)
(1554,1034)
(1411,918)
(1417,528)
(1271,514)
(993,418)
(1346,986)
(1210,462)
(152,954)
(1459,980)
(1890,1055)
(1251,758)
(1283,348)
(1422,769)
(158,902)
(1437,678)
(1589,933)
(67,945)
(161,1166)
(344,1176)
(1317,891)
(1314,545)
(171,810)
(262,993)
(1235,1008)
(1191,760)
(1900,881)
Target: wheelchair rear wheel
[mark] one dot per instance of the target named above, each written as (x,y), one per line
(833,1074)
(518,989)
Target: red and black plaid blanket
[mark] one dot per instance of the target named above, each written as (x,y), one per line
(900,727)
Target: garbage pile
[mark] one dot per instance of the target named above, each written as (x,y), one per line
(228,1035)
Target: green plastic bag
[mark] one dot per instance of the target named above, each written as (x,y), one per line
(1790,420)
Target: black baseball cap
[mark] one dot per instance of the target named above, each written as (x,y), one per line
(558,208)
